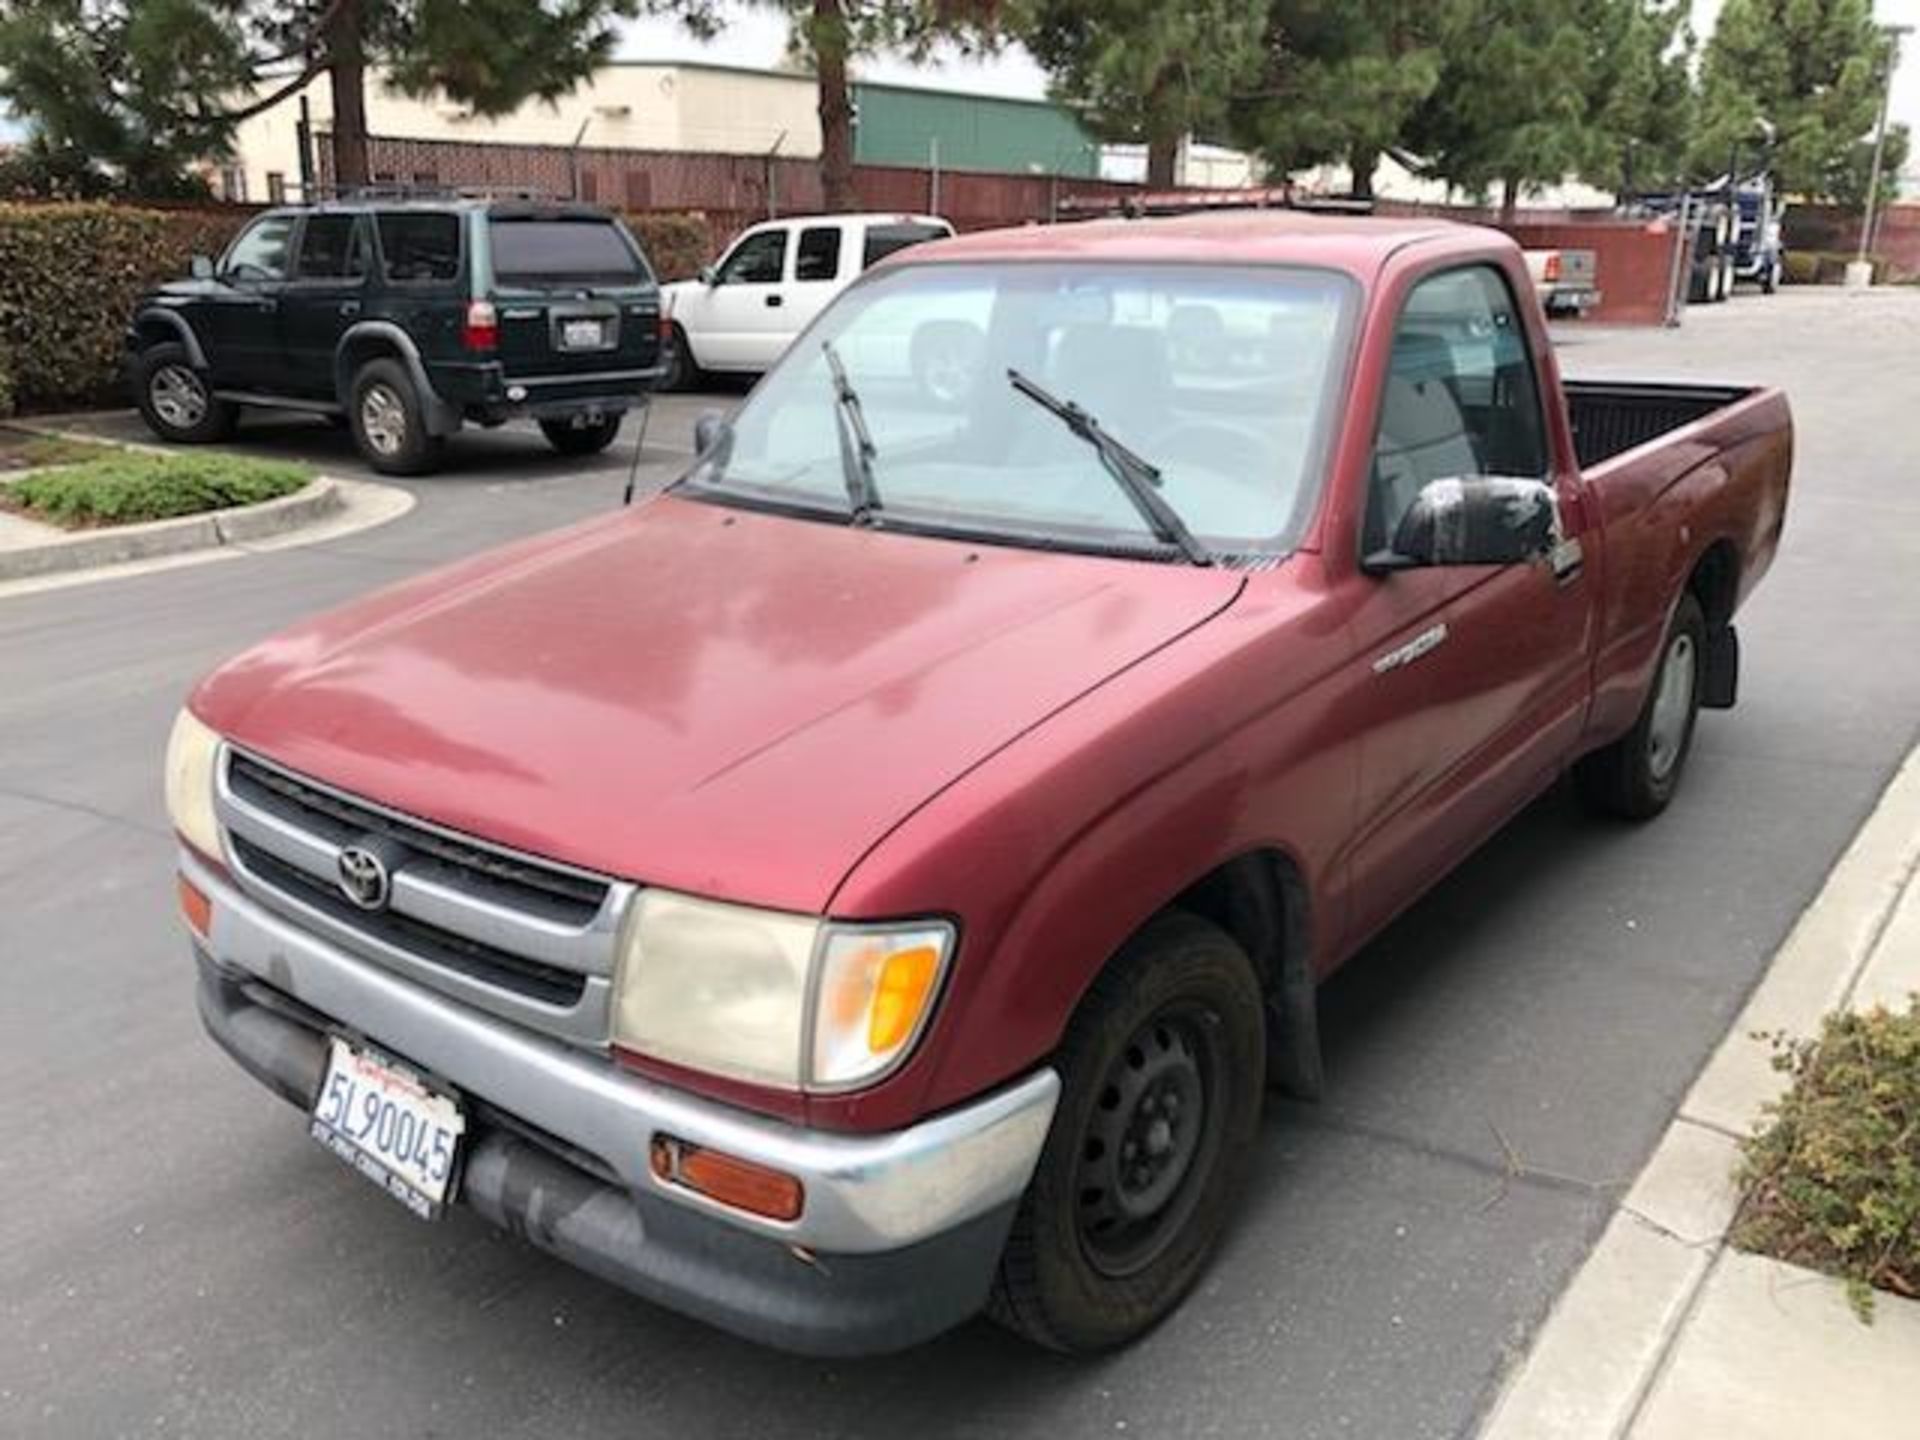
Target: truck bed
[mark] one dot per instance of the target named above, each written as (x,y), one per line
(1612,416)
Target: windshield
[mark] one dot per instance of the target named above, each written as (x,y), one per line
(541,252)
(1218,379)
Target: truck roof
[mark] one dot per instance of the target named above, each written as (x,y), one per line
(1244,237)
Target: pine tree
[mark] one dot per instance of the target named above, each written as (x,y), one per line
(1149,71)
(1814,70)
(148,84)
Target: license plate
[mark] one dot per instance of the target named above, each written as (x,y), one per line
(582,335)
(384,1121)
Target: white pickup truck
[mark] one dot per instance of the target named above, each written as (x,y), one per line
(743,311)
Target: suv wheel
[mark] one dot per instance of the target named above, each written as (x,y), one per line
(389,425)
(174,398)
(570,438)
(1163,1071)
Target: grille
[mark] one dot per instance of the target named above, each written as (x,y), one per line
(546,983)
(555,895)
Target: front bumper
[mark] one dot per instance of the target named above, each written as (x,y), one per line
(899,1234)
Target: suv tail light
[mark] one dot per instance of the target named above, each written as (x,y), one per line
(481,330)
(1553,266)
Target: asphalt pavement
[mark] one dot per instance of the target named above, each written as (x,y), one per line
(177,1258)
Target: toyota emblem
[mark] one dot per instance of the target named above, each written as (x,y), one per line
(363,877)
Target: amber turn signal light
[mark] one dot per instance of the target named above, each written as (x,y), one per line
(727,1179)
(196,907)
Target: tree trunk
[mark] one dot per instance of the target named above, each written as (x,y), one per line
(1163,160)
(829,33)
(347,70)
(1509,198)
(1362,161)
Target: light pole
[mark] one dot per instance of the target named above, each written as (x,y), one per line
(1893,34)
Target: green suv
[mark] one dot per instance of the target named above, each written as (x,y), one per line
(407,319)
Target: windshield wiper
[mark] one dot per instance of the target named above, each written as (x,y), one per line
(856,444)
(1136,477)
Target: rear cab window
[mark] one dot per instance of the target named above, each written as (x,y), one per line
(537,251)
(818,255)
(884,240)
(419,247)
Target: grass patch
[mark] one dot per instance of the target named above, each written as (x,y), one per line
(125,487)
(1834,1174)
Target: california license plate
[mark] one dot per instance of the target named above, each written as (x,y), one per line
(387,1123)
(582,335)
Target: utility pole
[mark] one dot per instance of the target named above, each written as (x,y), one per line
(1893,34)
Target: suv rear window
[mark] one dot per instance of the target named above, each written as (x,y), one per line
(423,246)
(545,250)
(883,240)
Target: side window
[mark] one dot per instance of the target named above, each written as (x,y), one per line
(1461,397)
(332,247)
(884,240)
(420,245)
(757,260)
(260,252)
(818,255)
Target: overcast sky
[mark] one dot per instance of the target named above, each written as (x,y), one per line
(755,37)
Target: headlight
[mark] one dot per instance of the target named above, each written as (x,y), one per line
(192,750)
(776,999)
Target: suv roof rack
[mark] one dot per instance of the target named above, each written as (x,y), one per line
(1188,202)
(394,190)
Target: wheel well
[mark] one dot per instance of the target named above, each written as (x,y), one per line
(357,352)
(1260,899)
(152,332)
(1715,582)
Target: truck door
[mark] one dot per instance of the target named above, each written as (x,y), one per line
(744,325)
(322,299)
(1482,672)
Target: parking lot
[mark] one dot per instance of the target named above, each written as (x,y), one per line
(177,1258)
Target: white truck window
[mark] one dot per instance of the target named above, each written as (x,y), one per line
(818,255)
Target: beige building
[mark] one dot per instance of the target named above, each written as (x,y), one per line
(630,105)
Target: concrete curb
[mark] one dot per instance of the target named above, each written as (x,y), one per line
(124,544)
(1611,1339)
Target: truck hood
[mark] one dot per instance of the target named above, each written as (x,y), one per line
(726,702)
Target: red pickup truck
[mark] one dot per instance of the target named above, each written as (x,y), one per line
(877,879)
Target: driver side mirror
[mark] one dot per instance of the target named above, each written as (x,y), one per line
(200,267)
(1475,520)
(708,431)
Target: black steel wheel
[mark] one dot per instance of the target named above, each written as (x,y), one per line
(1163,1071)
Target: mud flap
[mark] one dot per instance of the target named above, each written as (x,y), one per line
(1720,680)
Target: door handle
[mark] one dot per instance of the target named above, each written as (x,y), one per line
(349,307)
(774,302)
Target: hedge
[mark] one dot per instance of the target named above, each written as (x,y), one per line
(69,277)
(678,243)
(1828,267)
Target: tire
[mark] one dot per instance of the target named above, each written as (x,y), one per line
(175,399)
(1637,775)
(1770,281)
(571,439)
(1095,1258)
(683,371)
(389,422)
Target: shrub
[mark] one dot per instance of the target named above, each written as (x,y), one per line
(1835,1172)
(678,244)
(127,487)
(69,277)
(1828,267)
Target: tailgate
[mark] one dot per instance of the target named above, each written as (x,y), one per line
(575,298)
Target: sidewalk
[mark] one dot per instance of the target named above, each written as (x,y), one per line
(1665,1332)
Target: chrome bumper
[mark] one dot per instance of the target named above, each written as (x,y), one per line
(864,1193)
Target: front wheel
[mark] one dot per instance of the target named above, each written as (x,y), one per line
(1162,1069)
(587,438)
(1636,776)
(175,399)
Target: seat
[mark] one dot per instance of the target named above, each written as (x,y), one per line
(1423,434)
